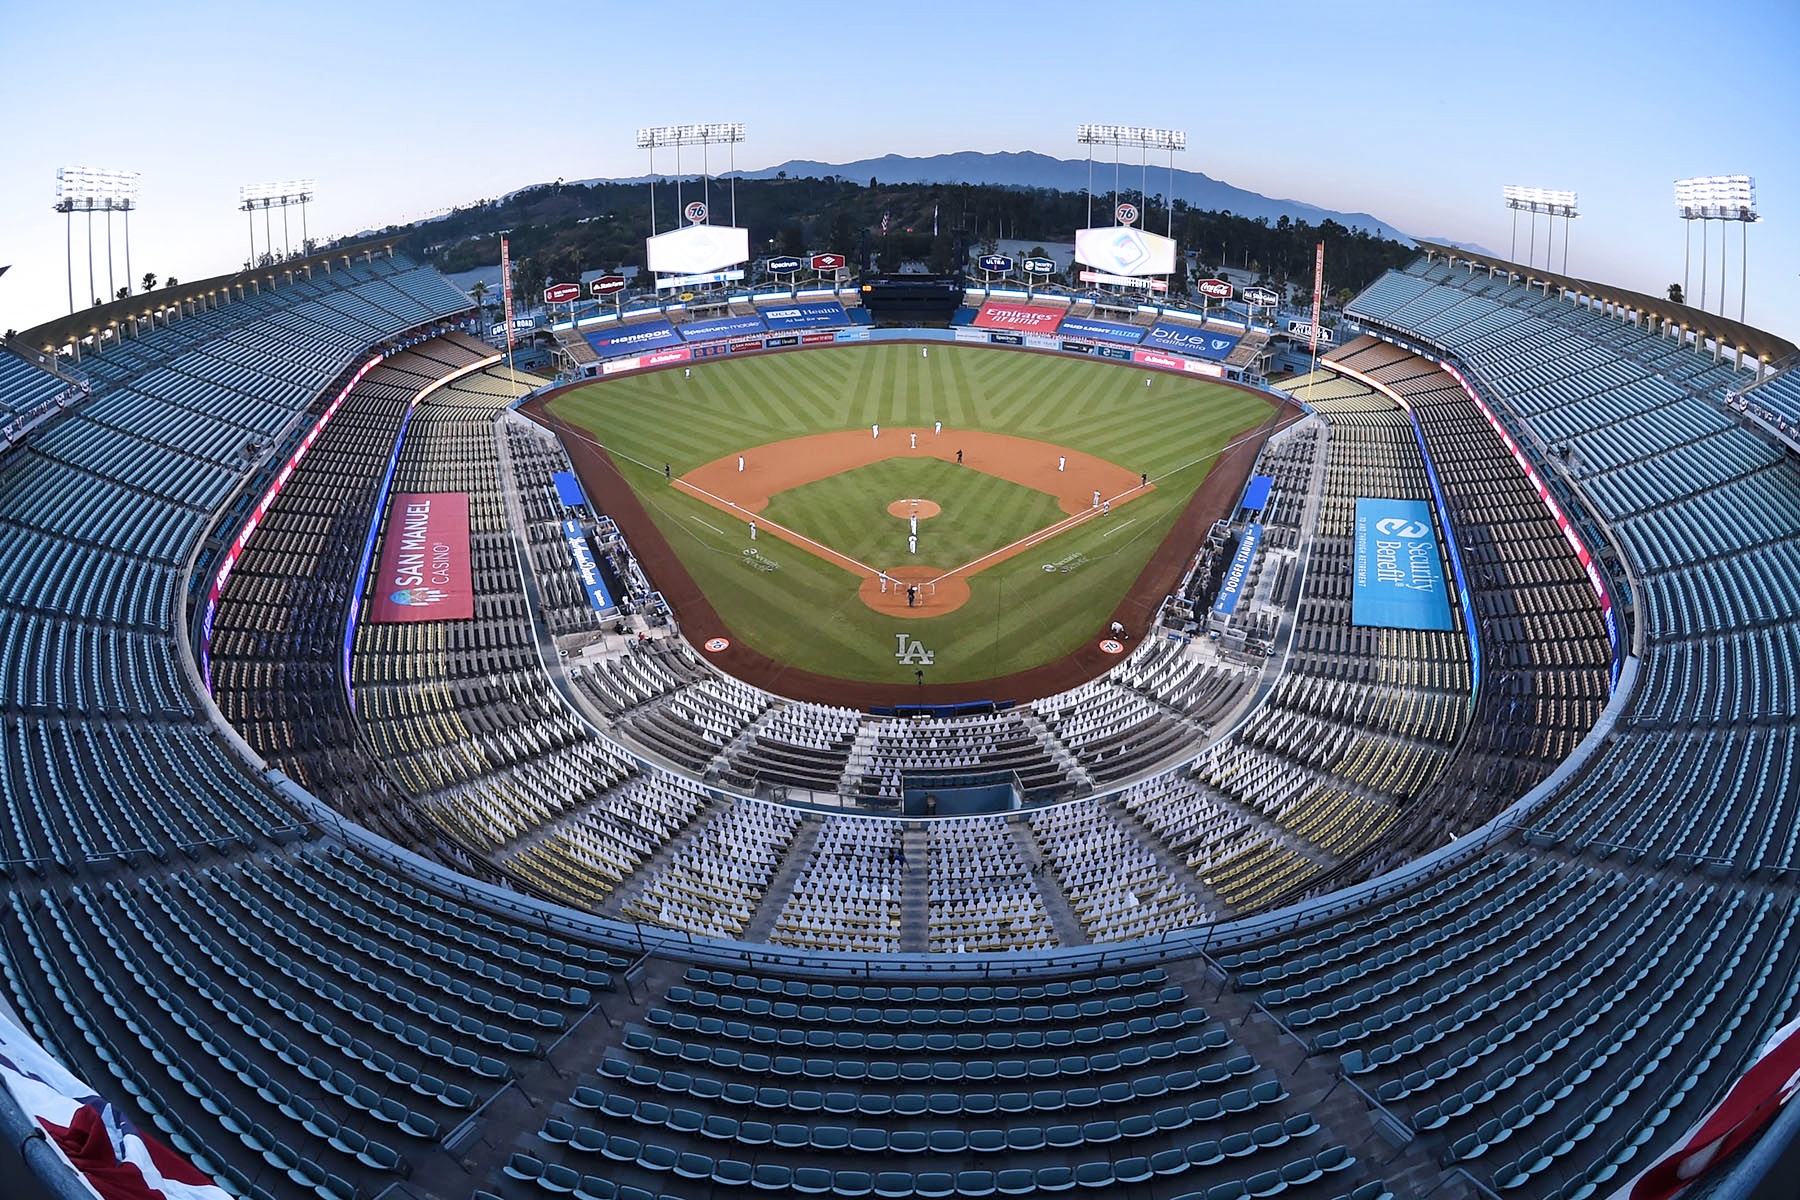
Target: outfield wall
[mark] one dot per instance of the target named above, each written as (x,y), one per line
(1054,343)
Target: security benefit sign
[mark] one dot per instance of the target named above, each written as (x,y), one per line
(1399,578)
(424,572)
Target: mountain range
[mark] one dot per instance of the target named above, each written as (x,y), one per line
(1028,169)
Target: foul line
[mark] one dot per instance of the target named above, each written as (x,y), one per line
(708,524)
(783,531)
(1022,544)
(1118,527)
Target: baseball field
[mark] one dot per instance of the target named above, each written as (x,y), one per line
(818,501)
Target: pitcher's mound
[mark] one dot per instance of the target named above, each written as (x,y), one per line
(935,600)
(914,508)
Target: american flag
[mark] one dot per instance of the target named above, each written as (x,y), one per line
(884,224)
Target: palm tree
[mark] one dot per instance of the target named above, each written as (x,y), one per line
(479,292)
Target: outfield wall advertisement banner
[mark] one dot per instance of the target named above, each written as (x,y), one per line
(1025,318)
(662,358)
(633,339)
(586,569)
(1398,579)
(1172,362)
(424,570)
(724,327)
(855,333)
(1103,331)
(1232,586)
(799,316)
(1186,339)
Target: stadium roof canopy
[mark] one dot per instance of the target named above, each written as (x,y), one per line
(1724,330)
(220,289)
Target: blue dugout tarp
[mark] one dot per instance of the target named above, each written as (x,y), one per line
(568,489)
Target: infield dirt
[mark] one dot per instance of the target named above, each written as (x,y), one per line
(1072,477)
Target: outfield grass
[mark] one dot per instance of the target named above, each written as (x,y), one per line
(796,608)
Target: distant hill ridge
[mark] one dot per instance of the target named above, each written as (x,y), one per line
(1029,169)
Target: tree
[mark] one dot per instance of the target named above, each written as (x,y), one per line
(792,240)
(479,292)
(124,293)
(171,281)
(1675,294)
(149,281)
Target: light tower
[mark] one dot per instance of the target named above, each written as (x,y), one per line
(265,196)
(1719,198)
(717,133)
(91,189)
(1145,140)
(1552,204)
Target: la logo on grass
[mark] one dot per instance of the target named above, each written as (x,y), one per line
(912,650)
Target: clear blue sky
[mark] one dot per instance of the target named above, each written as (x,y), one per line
(1422,110)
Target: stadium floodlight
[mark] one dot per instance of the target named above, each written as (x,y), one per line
(1141,137)
(1550,202)
(1719,198)
(714,133)
(264,196)
(87,190)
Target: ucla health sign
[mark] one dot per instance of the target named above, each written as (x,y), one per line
(1185,339)
(633,339)
(1101,331)
(800,316)
(1398,577)
(724,327)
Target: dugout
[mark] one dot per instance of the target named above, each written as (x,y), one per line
(959,793)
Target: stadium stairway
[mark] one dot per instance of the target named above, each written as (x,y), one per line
(1056,901)
(1081,782)
(793,862)
(915,900)
(619,901)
